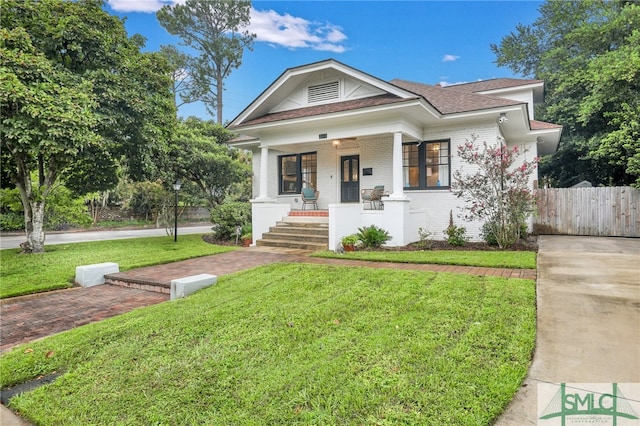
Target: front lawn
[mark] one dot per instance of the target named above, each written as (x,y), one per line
(288,344)
(486,259)
(56,267)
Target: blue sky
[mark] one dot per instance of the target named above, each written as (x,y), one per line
(425,41)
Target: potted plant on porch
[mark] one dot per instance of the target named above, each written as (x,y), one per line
(349,242)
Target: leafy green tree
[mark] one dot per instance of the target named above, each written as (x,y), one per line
(47,119)
(79,99)
(216,30)
(588,53)
(203,158)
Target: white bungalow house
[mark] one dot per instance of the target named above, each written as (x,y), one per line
(339,130)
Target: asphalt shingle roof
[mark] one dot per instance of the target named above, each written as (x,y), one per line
(493,84)
(326,109)
(451,102)
(446,100)
(542,125)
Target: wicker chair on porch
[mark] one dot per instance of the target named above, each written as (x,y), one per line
(310,196)
(373,197)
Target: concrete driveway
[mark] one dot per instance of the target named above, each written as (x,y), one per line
(588,297)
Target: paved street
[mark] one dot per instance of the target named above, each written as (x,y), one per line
(14,240)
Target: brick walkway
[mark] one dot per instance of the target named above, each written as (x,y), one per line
(33,317)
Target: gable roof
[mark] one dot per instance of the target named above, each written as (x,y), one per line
(421,104)
(292,77)
(441,100)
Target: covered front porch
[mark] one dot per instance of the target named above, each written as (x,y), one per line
(397,218)
(343,167)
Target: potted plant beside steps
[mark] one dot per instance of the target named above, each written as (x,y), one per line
(349,242)
(247,236)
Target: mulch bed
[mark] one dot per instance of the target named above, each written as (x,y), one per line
(529,244)
(212,239)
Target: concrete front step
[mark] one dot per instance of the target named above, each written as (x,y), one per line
(300,230)
(295,237)
(138,284)
(299,245)
(305,220)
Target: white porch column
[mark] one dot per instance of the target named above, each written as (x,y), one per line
(397,166)
(263,193)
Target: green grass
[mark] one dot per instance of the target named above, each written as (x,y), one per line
(486,259)
(55,268)
(288,344)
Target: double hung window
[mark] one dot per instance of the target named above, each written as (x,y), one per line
(297,171)
(426,165)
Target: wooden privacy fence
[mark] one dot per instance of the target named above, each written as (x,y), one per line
(601,211)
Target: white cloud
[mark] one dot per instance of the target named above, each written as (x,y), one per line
(269,26)
(450,58)
(149,6)
(444,83)
(294,32)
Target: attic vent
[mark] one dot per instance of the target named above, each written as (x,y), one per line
(323,92)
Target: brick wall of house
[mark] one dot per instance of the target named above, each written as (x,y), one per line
(375,152)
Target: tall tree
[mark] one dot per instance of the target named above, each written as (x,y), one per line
(125,115)
(47,119)
(216,30)
(588,53)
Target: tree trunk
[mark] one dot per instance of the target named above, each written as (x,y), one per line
(33,205)
(34,226)
(219,90)
(36,239)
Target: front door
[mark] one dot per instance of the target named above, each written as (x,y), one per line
(350,179)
